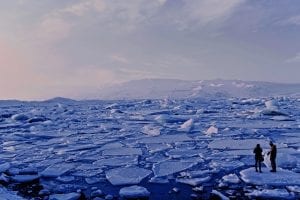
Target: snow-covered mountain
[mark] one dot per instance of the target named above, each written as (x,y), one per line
(172,88)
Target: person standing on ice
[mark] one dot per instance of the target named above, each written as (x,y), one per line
(272,154)
(258,157)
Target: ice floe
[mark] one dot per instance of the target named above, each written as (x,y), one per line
(88,145)
(170,167)
(134,192)
(8,195)
(56,170)
(4,167)
(166,139)
(123,151)
(280,178)
(231,178)
(240,144)
(24,178)
(151,130)
(271,194)
(127,175)
(117,161)
(193,181)
(69,196)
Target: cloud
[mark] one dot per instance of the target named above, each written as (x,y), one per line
(53,29)
(56,26)
(294,20)
(119,59)
(294,59)
(205,12)
(84,7)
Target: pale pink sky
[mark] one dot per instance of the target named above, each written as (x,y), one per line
(72,48)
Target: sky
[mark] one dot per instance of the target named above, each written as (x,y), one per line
(73,48)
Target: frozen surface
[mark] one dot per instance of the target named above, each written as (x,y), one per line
(170,167)
(187,126)
(134,192)
(271,193)
(220,195)
(127,176)
(238,144)
(211,131)
(231,178)
(122,151)
(4,167)
(24,178)
(117,161)
(56,170)
(193,181)
(63,147)
(280,178)
(8,195)
(69,196)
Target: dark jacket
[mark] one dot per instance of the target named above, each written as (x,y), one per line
(258,153)
(273,152)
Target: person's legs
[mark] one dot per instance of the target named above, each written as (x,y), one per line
(259,166)
(256,161)
(273,164)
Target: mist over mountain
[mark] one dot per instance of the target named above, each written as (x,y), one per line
(172,88)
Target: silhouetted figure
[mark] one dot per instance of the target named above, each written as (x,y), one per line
(272,154)
(258,157)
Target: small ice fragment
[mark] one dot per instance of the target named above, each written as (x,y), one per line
(24,178)
(231,178)
(220,195)
(193,181)
(69,196)
(93,180)
(4,167)
(134,192)
(151,130)
(20,117)
(8,195)
(187,126)
(211,130)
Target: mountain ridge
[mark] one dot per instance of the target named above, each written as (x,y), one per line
(175,88)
